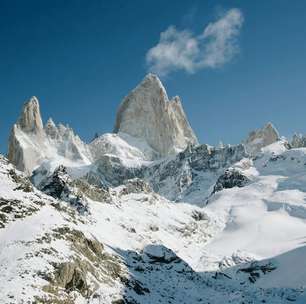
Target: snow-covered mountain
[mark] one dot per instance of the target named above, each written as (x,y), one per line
(31,144)
(148,215)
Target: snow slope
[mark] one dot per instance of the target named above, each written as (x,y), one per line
(116,221)
(168,252)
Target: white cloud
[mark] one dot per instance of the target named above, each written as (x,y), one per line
(182,50)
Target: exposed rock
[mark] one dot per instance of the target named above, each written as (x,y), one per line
(148,114)
(26,138)
(111,171)
(261,138)
(199,215)
(194,170)
(98,194)
(135,185)
(229,179)
(90,266)
(30,120)
(23,182)
(72,277)
(11,210)
(57,185)
(60,185)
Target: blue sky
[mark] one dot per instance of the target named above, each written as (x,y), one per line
(80,58)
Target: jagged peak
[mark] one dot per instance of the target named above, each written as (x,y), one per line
(33,100)
(153,78)
(260,138)
(50,122)
(51,129)
(30,118)
(176,99)
(152,82)
(268,127)
(147,113)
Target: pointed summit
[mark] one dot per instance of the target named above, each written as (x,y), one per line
(30,120)
(20,151)
(51,129)
(261,138)
(148,114)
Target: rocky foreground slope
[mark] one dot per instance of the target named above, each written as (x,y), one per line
(128,220)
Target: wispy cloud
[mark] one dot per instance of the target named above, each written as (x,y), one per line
(183,50)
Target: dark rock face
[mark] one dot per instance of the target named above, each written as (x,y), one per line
(23,182)
(57,184)
(12,209)
(111,172)
(192,170)
(231,178)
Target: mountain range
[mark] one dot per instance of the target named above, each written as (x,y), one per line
(147,214)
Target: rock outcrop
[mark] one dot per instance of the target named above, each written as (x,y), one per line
(229,179)
(148,114)
(261,138)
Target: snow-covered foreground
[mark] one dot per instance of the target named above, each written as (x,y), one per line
(247,245)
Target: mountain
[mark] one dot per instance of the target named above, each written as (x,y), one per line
(147,113)
(135,218)
(31,144)
(260,138)
(148,127)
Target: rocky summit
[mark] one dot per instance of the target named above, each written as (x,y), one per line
(261,138)
(147,113)
(146,214)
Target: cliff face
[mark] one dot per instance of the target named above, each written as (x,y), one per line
(26,138)
(147,113)
(30,119)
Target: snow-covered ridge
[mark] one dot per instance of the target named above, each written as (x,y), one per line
(243,242)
